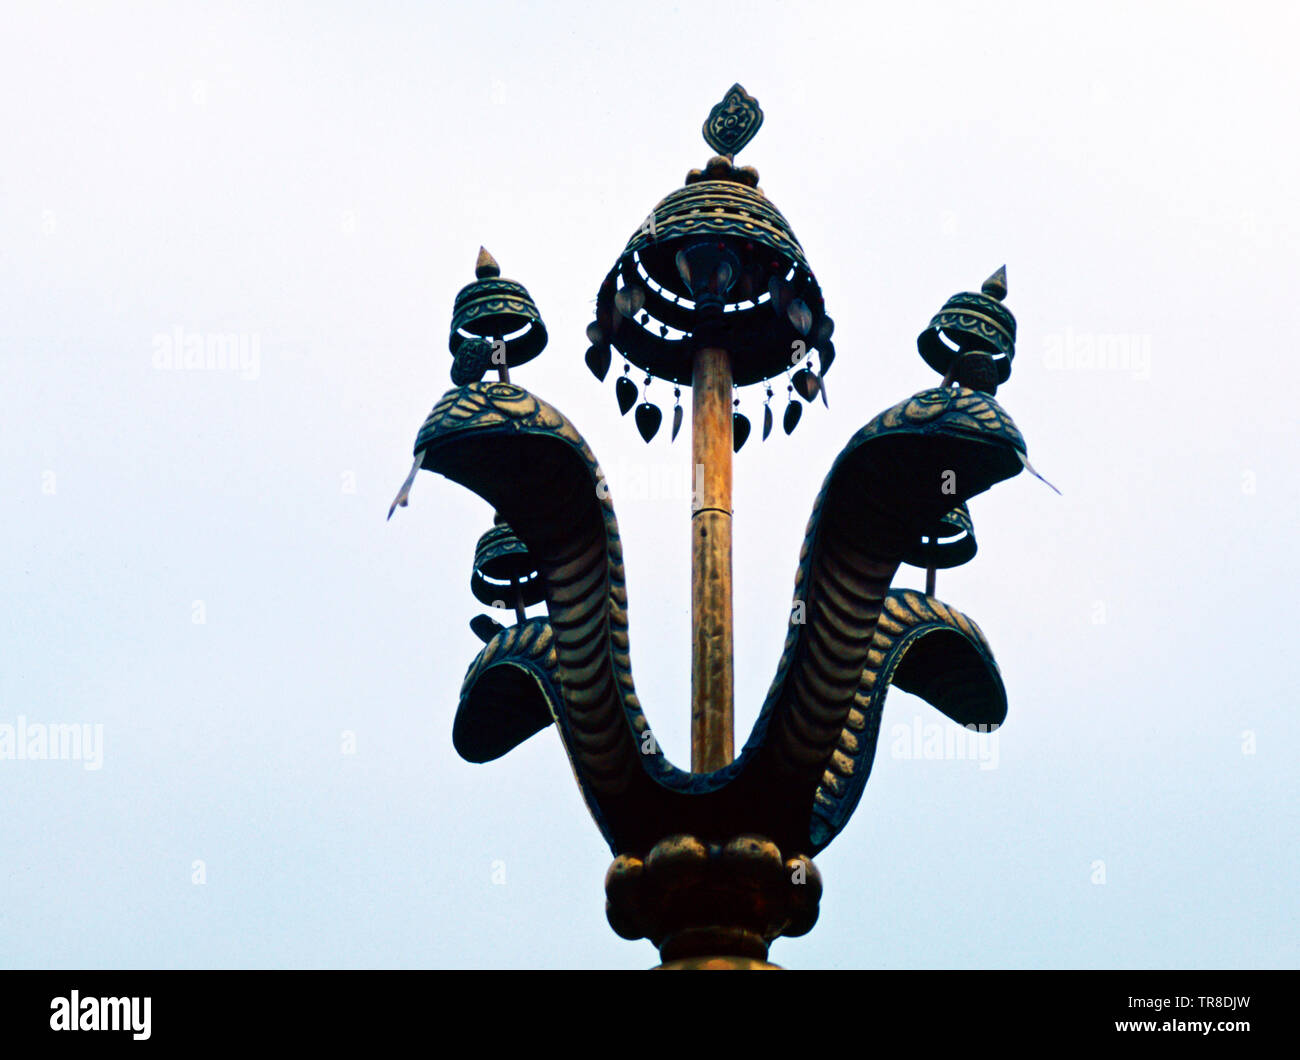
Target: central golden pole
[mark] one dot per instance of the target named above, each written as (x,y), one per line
(712,673)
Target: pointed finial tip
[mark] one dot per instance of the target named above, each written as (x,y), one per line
(486,265)
(996,285)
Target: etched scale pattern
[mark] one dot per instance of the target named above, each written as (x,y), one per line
(526,459)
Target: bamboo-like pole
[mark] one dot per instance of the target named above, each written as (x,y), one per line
(712,619)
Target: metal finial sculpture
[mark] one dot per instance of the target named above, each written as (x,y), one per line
(500,313)
(504,572)
(494,324)
(972,339)
(713,864)
(714,262)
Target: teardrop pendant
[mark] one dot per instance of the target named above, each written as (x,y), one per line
(779,294)
(648,418)
(629,300)
(805,383)
(677,414)
(826,353)
(625,392)
(739,430)
(767,421)
(800,316)
(598,360)
(792,413)
(683,268)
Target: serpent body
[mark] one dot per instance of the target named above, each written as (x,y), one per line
(806,761)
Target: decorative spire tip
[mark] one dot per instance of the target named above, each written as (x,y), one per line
(486,266)
(996,285)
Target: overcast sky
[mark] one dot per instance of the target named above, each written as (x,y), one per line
(197,561)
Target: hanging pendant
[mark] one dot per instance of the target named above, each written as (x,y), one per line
(739,430)
(598,360)
(779,293)
(792,412)
(805,383)
(800,316)
(683,268)
(826,352)
(629,300)
(767,421)
(648,418)
(677,413)
(719,282)
(625,392)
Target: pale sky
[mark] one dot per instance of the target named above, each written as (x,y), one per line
(198,561)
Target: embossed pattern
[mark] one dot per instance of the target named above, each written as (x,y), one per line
(733,122)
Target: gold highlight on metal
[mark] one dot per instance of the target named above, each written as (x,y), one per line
(485,266)
(712,619)
(714,292)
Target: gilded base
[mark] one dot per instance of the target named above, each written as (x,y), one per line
(712,905)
